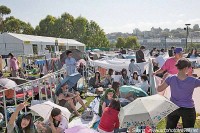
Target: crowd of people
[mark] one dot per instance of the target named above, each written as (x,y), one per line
(176,72)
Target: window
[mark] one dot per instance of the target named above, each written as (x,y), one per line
(35,49)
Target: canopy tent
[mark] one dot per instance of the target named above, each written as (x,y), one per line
(21,44)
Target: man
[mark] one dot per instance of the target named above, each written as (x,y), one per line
(140,55)
(70,63)
(171,52)
(170,63)
(14,65)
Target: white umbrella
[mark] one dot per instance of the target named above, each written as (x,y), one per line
(44,109)
(7,83)
(146,111)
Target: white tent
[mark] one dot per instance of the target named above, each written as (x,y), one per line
(21,44)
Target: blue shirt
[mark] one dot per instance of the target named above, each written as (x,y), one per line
(71,65)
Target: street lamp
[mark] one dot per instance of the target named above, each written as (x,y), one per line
(187,33)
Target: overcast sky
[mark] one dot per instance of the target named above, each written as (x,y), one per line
(112,15)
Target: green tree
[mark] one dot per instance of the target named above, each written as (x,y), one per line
(131,41)
(120,42)
(11,24)
(95,37)
(46,26)
(64,26)
(80,27)
(4,10)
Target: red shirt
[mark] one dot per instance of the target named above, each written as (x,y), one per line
(109,120)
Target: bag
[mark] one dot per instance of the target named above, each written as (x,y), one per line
(87,115)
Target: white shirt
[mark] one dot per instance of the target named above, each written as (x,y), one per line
(144,86)
(63,123)
(133,81)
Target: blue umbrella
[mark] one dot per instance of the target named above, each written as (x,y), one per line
(137,91)
(71,81)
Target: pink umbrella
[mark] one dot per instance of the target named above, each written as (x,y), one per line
(80,129)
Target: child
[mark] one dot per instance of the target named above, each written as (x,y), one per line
(109,120)
(106,99)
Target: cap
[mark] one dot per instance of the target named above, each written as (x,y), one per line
(178,50)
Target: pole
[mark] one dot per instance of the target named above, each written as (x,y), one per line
(165,43)
(186,36)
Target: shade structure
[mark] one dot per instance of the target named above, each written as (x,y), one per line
(80,129)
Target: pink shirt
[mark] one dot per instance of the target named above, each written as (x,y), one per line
(169,66)
(14,64)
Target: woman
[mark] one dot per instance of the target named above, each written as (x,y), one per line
(109,120)
(108,79)
(95,81)
(182,88)
(135,79)
(124,79)
(14,65)
(64,96)
(144,85)
(23,124)
(115,87)
(58,123)
(106,99)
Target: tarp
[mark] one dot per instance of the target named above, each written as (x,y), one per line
(119,64)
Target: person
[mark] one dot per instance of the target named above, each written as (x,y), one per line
(64,96)
(153,52)
(159,61)
(21,73)
(133,67)
(144,84)
(106,99)
(122,51)
(171,52)
(70,63)
(162,52)
(23,124)
(14,65)
(182,87)
(82,69)
(140,55)
(115,87)
(109,120)
(108,79)
(124,78)
(193,54)
(58,123)
(95,81)
(170,63)
(135,79)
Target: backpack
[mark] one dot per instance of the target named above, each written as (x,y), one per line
(87,115)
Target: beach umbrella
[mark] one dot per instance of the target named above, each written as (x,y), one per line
(146,111)
(133,89)
(7,83)
(80,129)
(44,109)
(76,54)
(71,80)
